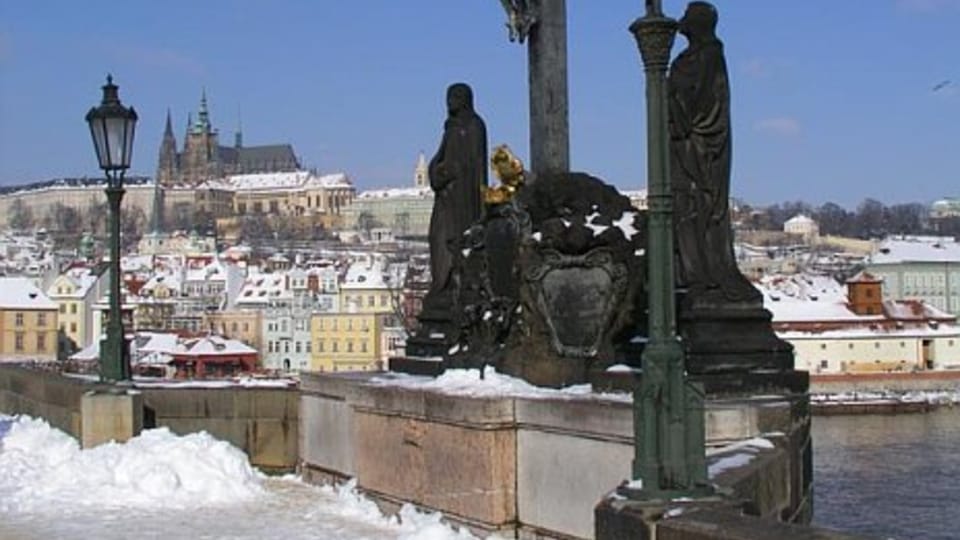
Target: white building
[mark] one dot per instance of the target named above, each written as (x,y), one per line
(923,268)
(852,329)
(802,226)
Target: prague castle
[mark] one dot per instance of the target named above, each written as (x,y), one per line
(204,159)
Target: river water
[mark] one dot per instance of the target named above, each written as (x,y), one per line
(890,476)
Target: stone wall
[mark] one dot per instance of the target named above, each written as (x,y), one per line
(260,421)
(43,394)
(535,467)
(925,381)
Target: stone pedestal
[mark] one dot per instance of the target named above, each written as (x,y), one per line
(110,415)
(727,339)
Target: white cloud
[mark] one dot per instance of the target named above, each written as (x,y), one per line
(778,125)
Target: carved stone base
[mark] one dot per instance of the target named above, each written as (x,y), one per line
(732,339)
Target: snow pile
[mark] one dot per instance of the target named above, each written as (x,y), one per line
(43,473)
(469,382)
(408,524)
(43,467)
(745,452)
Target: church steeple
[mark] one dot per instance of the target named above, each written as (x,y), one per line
(156,212)
(421,175)
(167,165)
(238,137)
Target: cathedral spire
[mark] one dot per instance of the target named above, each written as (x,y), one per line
(238,138)
(168,130)
(167,162)
(203,120)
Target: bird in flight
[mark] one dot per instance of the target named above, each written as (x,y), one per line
(940,85)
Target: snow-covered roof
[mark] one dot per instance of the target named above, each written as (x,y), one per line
(917,249)
(806,297)
(156,342)
(82,278)
(396,193)
(21,293)
(258,289)
(286,181)
(365,275)
(212,345)
(798,219)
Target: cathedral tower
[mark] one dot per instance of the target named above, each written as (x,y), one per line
(167,167)
(201,157)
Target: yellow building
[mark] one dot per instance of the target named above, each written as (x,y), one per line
(348,341)
(28,322)
(75,292)
(245,325)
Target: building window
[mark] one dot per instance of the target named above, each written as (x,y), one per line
(349,324)
(823,346)
(370,301)
(246,327)
(233,327)
(297,347)
(286,347)
(73,308)
(41,319)
(383,300)
(334,346)
(18,342)
(73,328)
(850,346)
(363,346)
(308,345)
(902,344)
(63,308)
(824,364)
(18,319)
(320,345)
(41,342)
(876,345)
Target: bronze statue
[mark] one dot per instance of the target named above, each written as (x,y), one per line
(458,176)
(700,151)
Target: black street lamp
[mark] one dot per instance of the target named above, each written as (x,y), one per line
(112,126)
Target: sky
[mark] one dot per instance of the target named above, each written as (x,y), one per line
(831,101)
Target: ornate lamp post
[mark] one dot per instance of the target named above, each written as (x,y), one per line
(668,410)
(112,126)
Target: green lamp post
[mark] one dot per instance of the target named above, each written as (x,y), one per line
(112,127)
(669,449)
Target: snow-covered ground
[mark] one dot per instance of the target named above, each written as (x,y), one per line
(161,485)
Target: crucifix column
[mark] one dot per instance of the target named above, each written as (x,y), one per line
(543,25)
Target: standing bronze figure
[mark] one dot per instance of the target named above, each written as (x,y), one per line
(458,176)
(700,151)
